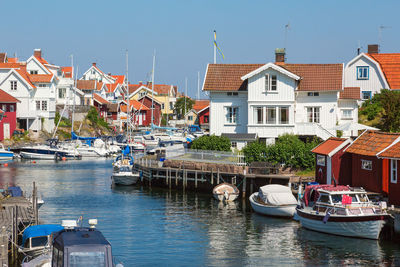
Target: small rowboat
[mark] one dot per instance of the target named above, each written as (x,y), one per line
(225,192)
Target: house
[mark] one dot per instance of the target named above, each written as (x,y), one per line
(101,105)
(373,71)
(67,93)
(8,116)
(202,108)
(163,93)
(276,98)
(332,163)
(239,141)
(141,114)
(95,74)
(190,117)
(89,88)
(157,115)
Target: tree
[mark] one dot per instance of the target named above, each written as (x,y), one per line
(212,142)
(180,108)
(390,102)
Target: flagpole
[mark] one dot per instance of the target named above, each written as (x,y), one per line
(215,48)
(152,90)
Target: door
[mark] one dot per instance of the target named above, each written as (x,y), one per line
(6,129)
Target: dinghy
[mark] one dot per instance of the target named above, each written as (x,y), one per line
(225,192)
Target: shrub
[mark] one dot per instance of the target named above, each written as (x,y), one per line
(212,142)
(64,121)
(255,151)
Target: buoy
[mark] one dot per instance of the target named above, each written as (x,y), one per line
(64,158)
(5,164)
(34,161)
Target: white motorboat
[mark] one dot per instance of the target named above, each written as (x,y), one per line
(5,154)
(122,171)
(226,192)
(274,200)
(147,140)
(341,210)
(52,151)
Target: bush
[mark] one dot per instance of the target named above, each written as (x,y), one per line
(64,121)
(372,107)
(218,143)
(255,151)
(92,115)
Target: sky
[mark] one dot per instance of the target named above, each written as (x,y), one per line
(180,33)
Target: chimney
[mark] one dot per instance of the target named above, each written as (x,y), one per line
(140,82)
(37,53)
(94,64)
(280,56)
(148,83)
(109,74)
(373,49)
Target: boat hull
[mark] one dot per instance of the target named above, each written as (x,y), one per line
(125,178)
(221,197)
(6,155)
(351,226)
(225,192)
(276,211)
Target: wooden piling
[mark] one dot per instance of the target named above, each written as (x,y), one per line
(212,177)
(244,187)
(176,177)
(195,179)
(218,176)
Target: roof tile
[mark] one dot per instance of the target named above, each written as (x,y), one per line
(350,93)
(328,146)
(390,65)
(7,98)
(370,143)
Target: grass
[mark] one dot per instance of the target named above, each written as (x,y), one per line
(306,173)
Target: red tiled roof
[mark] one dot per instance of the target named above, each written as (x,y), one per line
(135,105)
(201,104)
(25,76)
(391,152)
(371,143)
(314,77)
(390,65)
(120,79)
(12,60)
(10,65)
(350,93)
(7,98)
(89,85)
(328,146)
(3,57)
(161,89)
(67,72)
(40,78)
(42,60)
(100,100)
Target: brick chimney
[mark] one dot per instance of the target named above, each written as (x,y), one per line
(94,64)
(280,56)
(37,53)
(373,49)
(149,84)
(140,82)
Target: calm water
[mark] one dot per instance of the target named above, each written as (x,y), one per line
(162,228)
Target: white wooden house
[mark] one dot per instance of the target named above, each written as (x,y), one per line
(94,73)
(275,98)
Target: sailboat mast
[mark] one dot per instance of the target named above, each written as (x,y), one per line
(152,90)
(198,85)
(128,115)
(184,115)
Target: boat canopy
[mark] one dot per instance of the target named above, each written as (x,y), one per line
(275,194)
(40,230)
(77,137)
(311,193)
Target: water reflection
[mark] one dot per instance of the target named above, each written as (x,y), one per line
(150,226)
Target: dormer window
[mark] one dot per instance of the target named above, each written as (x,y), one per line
(363,73)
(13,85)
(33,72)
(270,82)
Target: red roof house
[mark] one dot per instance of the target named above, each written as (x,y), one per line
(8,116)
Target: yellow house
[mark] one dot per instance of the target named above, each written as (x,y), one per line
(163,93)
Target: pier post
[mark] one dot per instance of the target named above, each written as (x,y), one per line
(195,179)
(212,177)
(244,186)
(251,186)
(170,178)
(166,176)
(176,177)
(218,176)
(34,200)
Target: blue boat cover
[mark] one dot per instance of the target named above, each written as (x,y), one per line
(77,137)
(126,151)
(40,230)
(15,191)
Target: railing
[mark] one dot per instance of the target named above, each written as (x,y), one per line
(222,157)
(313,129)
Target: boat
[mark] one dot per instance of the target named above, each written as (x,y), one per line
(341,210)
(147,140)
(5,154)
(274,200)
(225,192)
(36,239)
(50,151)
(122,169)
(76,246)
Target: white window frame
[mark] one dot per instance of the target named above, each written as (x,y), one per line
(321,160)
(313,94)
(13,85)
(280,115)
(271,82)
(234,144)
(314,117)
(12,108)
(256,110)
(231,117)
(360,72)
(266,115)
(393,171)
(366,165)
(44,105)
(37,104)
(62,93)
(347,117)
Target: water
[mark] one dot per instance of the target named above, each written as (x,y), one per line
(159,227)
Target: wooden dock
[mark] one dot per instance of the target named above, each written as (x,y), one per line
(199,178)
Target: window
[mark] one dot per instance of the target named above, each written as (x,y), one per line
(324,199)
(142,94)
(89,258)
(393,171)
(313,114)
(231,115)
(320,160)
(206,119)
(42,85)
(190,118)
(171,105)
(366,95)
(162,106)
(61,93)
(271,115)
(12,108)
(232,94)
(37,105)
(4,107)
(363,73)
(258,115)
(33,72)
(234,144)
(366,164)
(40,241)
(270,82)
(313,94)
(13,85)
(347,113)
(283,115)
(44,105)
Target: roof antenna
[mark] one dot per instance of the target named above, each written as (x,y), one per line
(287,27)
(382,27)
(359,48)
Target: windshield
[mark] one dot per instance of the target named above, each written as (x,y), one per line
(84,259)
(39,241)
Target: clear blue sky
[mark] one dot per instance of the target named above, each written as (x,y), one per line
(181,33)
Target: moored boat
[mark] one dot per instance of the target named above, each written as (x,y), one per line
(341,210)
(274,200)
(5,154)
(225,192)
(122,170)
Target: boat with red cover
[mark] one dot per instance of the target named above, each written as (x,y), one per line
(341,210)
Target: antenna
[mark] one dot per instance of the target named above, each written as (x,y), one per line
(382,27)
(359,48)
(198,85)
(287,28)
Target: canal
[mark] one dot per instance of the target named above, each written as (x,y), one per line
(157,227)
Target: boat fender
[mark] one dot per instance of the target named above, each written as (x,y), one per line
(326,217)
(226,195)
(5,164)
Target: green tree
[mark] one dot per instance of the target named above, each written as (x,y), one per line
(372,107)
(93,115)
(212,142)
(390,102)
(255,151)
(180,108)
